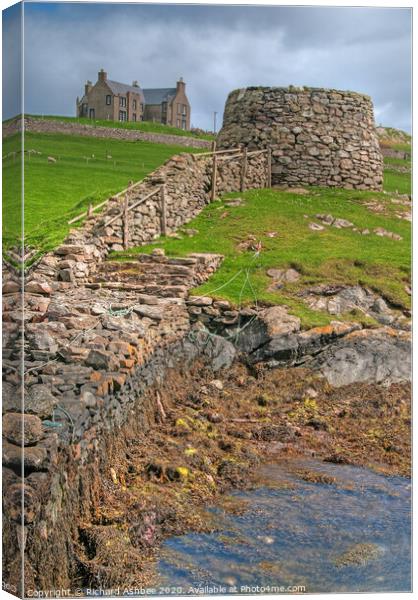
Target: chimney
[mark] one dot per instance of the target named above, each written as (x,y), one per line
(87,87)
(181,86)
(135,83)
(102,75)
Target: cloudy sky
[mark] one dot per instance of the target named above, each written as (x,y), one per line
(216,49)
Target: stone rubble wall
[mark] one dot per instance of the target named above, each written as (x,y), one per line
(389,152)
(187,181)
(38,125)
(318,136)
(90,357)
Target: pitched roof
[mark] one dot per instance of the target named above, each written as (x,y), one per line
(158,95)
(123,88)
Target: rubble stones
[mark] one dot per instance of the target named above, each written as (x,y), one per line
(340,300)
(102,359)
(38,287)
(34,457)
(22,429)
(40,401)
(282,276)
(380,231)
(316,227)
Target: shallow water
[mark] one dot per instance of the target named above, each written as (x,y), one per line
(296,533)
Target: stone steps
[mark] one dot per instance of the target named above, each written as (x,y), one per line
(162,291)
(156,274)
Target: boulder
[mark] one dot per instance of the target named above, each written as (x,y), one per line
(218,352)
(293,347)
(375,356)
(273,322)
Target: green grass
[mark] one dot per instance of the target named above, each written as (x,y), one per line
(393,181)
(54,193)
(332,255)
(146,126)
(12,190)
(397,162)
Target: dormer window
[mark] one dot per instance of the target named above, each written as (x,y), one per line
(108,100)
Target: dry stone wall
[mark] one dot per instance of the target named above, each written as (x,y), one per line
(318,136)
(38,125)
(188,182)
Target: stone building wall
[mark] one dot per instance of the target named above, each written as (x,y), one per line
(318,136)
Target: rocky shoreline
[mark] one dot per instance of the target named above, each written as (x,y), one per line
(211,437)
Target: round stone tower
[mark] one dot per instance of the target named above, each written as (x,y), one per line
(317,136)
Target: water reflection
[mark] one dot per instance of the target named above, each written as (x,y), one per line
(349,536)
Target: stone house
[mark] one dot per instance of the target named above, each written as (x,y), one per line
(113,101)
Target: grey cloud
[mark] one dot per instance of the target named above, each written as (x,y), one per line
(11,60)
(217,49)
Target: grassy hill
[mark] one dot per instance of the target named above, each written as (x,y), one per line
(145,126)
(397,170)
(56,192)
(280,220)
(394,138)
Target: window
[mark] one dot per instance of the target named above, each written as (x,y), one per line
(134,117)
(183,109)
(84,109)
(183,123)
(122,101)
(108,100)
(91,113)
(134,104)
(142,108)
(122,115)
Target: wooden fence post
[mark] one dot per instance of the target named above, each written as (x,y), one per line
(126,221)
(90,210)
(163,217)
(243,169)
(268,178)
